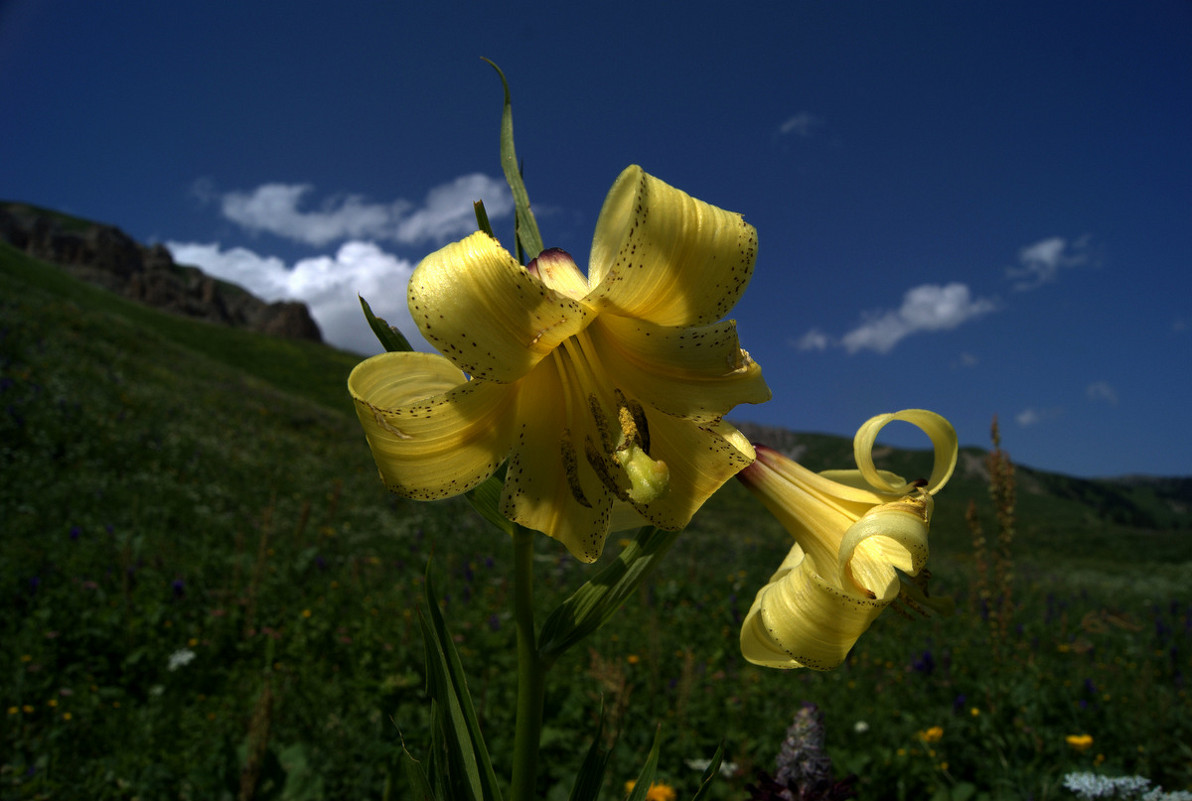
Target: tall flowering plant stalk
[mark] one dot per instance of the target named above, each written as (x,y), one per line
(573,403)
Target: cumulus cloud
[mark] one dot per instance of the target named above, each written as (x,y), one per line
(803,124)
(1041,263)
(1028,417)
(813,340)
(446,212)
(327,284)
(929,307)
(1102,391)
(1033,416)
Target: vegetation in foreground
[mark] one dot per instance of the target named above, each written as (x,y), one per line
(208,595)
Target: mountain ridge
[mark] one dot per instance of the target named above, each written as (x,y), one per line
(105,256)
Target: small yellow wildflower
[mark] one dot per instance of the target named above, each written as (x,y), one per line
(28,710)
(659,791)
(932,735)
(306,613)
(633,659)
(66,716)
(12,710)
(974,712)
(1080,742)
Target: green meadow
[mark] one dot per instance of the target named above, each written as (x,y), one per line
(208,595)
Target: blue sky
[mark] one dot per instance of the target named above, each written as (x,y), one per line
(978,208)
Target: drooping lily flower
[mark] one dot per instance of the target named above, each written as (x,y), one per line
(603,393)
(852,530)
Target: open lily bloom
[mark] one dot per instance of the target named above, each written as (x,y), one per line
(853,530)
(604,393)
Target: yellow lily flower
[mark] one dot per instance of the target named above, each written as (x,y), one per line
(603,393)
(852,528)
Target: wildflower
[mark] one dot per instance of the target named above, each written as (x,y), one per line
(604,394)
(932,735)
(860,727)
(853,530)
(1080,742)
(658,791)
(804,769)
(180,658)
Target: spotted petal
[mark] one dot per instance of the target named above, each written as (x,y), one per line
(433,433)
(700,458)
(661,255)
(486,313)
(699,373)
(800,620)
(549,485)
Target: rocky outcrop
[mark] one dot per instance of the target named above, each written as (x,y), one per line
(108,257)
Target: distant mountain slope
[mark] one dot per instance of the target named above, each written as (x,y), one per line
(1140,519)
(106,256)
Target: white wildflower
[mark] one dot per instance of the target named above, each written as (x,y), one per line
(181,658)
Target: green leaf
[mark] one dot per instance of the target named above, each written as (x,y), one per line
(486,499)
(710,772)
(595,602)
(591,773)
(391,339)
(460,743)
(482,222)
(646,777)
(527,227)
(416,777)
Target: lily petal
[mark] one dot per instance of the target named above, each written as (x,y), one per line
(699,373)
(800,620)
(700,457)
(486,313)
(549,485)
(661,255)
(433,433)
(943,440)
(893,535)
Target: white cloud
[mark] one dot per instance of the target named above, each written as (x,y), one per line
(1033,416)
(446,212)
(1102,391)
(929,307)
(1041,262)
(803,124)
(329,285)
(813,340)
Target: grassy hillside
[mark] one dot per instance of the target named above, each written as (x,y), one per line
(208,595)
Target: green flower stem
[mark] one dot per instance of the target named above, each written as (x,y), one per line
(531,670)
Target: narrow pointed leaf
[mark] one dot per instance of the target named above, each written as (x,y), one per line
(590,778)
(416,777)
(391,339)
(646,777)
(596,601)
(710,772)
(527,226)
(482,222)
(465,754)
